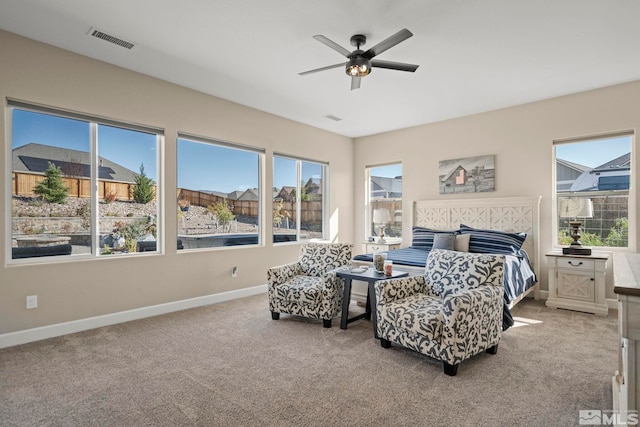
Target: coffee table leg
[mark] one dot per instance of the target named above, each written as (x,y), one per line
(371,300)
(346,299)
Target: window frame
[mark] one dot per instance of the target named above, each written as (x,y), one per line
(630,193)
(94,121)
(325,168)
(261,193)
(368,226)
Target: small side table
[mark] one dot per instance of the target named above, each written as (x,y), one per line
(578,282)
(370,276)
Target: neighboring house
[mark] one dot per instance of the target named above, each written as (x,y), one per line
(386,188)
(234,195)
(313,189)
(30,161)
(249,194)
(612,175)
(286,193)
(34,159)
(566,174)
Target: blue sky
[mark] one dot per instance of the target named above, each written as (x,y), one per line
(125,147)
(201,166)
(388,171)
(594,153)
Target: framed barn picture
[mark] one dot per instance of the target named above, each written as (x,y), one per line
(467,175)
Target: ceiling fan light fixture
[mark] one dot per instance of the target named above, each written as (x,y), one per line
(358,67)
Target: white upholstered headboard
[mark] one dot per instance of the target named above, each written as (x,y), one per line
(514,214)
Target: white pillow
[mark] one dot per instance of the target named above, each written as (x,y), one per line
(462,243)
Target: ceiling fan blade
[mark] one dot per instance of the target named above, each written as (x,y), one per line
(355,82)
(400,66)
(389,42)
(328,67)
(333,45)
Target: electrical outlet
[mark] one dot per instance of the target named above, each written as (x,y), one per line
(234,271)
(32,301)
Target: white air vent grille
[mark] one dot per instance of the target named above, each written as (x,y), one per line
(94,32)
(334,118)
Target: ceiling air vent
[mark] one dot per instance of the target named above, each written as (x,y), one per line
(94,32)
(334,118)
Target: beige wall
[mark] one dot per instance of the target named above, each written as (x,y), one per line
(520,137)
(67,291)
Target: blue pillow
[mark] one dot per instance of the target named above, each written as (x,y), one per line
(423,237)
(444,241)
(493,241)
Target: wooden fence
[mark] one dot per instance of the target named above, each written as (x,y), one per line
(310,211)
(24,184)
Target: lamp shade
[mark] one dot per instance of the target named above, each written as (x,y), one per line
(574,207)
(381,216)
(586,209)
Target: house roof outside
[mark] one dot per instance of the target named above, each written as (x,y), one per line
(249,194)
(623,161)
(385,187)
(571,165)
(34,158)
(612,175)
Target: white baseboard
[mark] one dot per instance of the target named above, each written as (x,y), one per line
(50,331)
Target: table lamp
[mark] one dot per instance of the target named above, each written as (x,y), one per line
(576,208)
(381,217)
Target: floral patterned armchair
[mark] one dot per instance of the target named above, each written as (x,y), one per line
(451,313)
(309,287)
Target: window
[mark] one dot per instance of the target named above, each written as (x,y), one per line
(81,181)
(218,195)
(592,187)
(384,200)
(293,177)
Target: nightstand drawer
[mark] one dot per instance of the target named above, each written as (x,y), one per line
(372,247)
(576,264)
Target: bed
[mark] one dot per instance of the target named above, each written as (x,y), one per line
(509,226)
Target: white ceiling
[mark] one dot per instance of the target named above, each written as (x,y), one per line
(474,56)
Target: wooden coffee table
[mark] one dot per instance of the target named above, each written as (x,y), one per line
(370,276)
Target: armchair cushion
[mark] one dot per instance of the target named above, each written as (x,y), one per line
(418,314)
(449,272)
(305,290)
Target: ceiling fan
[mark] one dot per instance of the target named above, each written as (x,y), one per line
(361,62)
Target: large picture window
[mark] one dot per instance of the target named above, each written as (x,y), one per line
(81,185)
(384,200)
(299,196)
(219,196)
(592,178)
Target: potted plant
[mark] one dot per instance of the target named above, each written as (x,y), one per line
(184,204)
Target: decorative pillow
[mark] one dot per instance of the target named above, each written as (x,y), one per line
(423,237)
(462,242)
(444,241)
(493,241)
(449,272)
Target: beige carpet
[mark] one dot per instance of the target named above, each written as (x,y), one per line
(231,365)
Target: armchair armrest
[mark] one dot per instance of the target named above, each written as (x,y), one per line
(472,321)
(394,289)
(283,273)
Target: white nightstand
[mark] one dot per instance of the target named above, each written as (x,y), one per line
(577,282)
(389,245)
